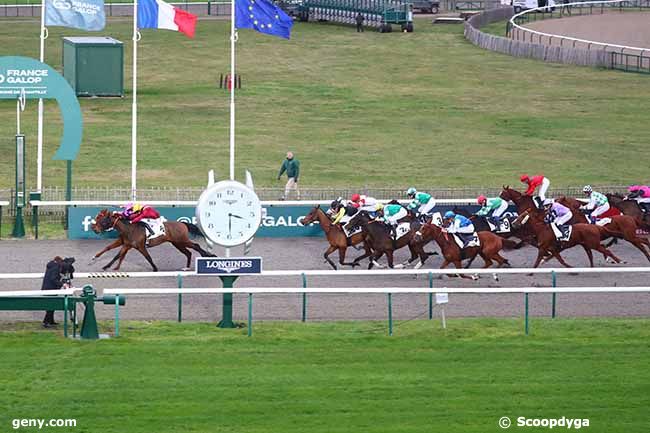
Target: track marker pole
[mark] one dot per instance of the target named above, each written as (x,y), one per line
(390,314)
(250,314)
(430,296)
(304,298)
(554,297)
(117,315)
(179,281)
(526,313)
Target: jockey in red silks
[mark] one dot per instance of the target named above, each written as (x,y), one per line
(136,212)
(536,181)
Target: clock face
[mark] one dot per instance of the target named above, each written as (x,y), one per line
(229,213)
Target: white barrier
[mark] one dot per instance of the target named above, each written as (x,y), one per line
(346,272)
(20,293)
(568,38)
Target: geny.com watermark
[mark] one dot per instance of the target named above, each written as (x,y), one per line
(550,423)
(40,423)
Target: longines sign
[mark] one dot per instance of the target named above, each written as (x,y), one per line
(229,265)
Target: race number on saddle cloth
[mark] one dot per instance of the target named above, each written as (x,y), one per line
(422,203)
(344,211)
(533,183)
(462,229)
(492,210)
(641,194)
(558,217)
(598,203)
(150,217)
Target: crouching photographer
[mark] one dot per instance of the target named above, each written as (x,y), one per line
(58,275)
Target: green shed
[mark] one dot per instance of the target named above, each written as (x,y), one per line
(94,66)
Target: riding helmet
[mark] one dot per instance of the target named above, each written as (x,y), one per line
(481,199)
(587,189)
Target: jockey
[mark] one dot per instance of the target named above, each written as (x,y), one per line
(141,212)
(536,181)
(461,225)
(363,202)
(598,203)
(495,205)
(392,214)
(128,211)
(422,203)
(558,215)
(640,193)
(344,211)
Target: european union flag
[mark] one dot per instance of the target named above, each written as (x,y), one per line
(263,16)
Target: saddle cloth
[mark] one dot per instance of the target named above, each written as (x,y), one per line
(436,219)
(603,221)
(157,225)
(474,242)
(349,233)
(402,229)
(504,226)
(562,236)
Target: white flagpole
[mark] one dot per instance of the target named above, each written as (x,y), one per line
(134,109)
(39,146)
(233,81)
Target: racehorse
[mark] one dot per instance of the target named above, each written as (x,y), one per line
(378,237)
(490,246)
(481,225)
(586,235)
(522,201)
(135,236)
(336,237)
(621,226)
(631,208)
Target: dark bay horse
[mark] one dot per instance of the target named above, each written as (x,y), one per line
(380,241)
(588,236)
(135,236)
(336,237)
(631,208)
(490,246)
(620,227)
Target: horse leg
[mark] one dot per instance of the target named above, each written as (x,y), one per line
(559,258)
(116,243)
(540,256)
(607,253)
(117,256)
(368,253)
(590,255)
(459,265)
(196,247)
(342,261)
(373,260)
(329,251)
(638,243)
(145,253)
(125,249)
(389,258)
(186,252)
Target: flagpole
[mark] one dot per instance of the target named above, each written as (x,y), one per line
(233,81)
(39,146)
(134,108)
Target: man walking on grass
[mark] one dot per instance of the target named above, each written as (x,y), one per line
(292,166)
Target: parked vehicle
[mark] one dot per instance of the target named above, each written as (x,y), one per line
(426,6)
(523,5)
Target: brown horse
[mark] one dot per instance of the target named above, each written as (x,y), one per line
(378,237)
(135,236)
(631,208)
(586,235)
(620,227)
(336,237)
(490,246)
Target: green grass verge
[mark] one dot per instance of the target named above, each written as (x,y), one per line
(331,377)
(423,108)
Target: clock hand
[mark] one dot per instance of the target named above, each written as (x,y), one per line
(229,223)
(237,216)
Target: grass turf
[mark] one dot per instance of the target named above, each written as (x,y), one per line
(422,108)
(331,377)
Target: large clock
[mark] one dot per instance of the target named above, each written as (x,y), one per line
(229,213)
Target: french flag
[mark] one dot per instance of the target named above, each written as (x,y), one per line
(156,14)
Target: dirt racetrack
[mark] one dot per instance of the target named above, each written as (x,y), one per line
(306,253)
(621,28)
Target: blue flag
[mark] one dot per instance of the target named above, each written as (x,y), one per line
(78,14)
(263,16)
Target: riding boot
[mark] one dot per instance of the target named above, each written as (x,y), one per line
(393,230)
(150,231)
(645,207)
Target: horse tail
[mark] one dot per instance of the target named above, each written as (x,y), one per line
(193,230)
(511,245)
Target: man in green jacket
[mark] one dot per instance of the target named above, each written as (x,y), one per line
(292,166)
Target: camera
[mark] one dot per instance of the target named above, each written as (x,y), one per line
(67,270)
